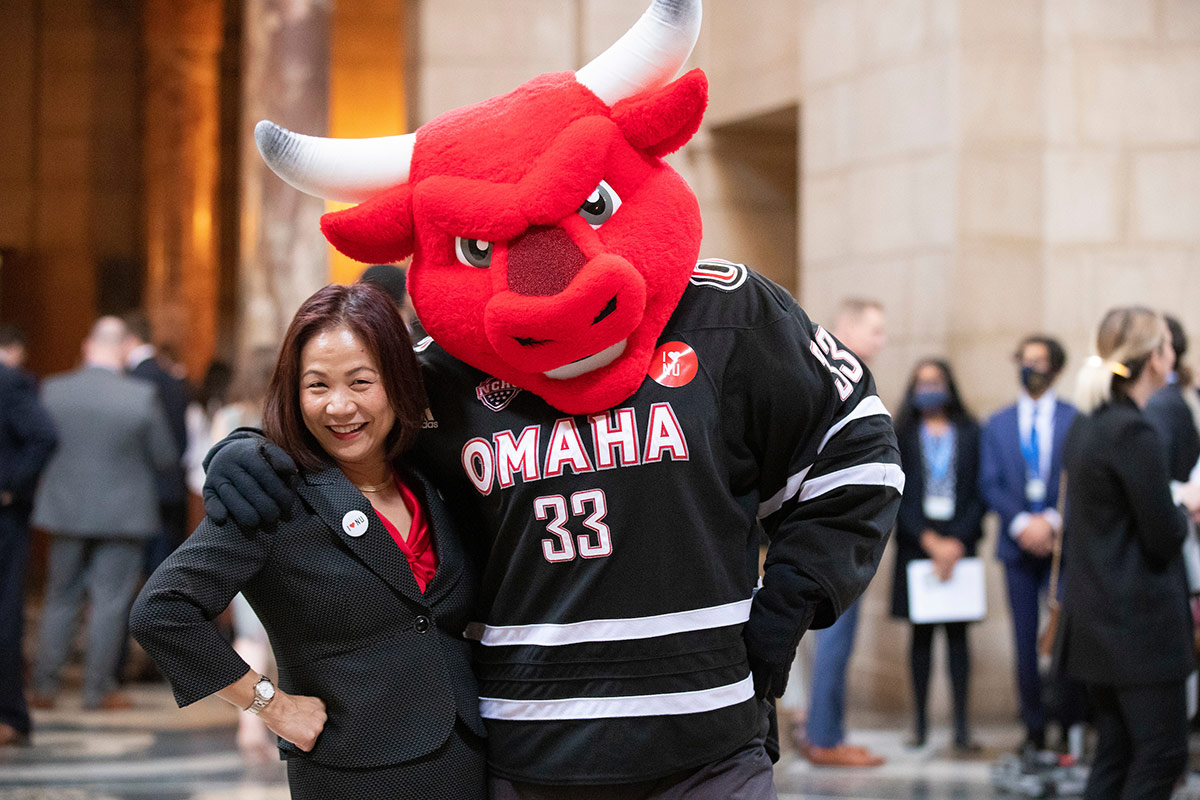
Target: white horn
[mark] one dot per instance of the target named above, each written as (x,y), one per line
(349,170)
(648,55)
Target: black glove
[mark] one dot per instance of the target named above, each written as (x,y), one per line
(249,480)
(772,634)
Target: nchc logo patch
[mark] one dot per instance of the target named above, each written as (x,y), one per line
(496,394)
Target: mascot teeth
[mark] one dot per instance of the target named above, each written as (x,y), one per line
(583,365)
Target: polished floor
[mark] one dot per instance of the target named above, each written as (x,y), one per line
(156,752)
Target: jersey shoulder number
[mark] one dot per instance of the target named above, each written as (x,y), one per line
(717,273)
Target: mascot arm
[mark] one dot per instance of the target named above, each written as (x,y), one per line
(248,479)
(829,481)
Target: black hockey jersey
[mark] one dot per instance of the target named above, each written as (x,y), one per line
(620,546)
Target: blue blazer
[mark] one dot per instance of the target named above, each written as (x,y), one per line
(1002,470)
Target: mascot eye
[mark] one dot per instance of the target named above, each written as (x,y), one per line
(473,252)
(601,204)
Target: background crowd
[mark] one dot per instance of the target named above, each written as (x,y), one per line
(1094,488)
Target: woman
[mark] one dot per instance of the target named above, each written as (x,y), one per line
(941,516)
(364,589)
(1127,631)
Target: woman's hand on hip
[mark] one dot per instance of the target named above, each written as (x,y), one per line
(297,718)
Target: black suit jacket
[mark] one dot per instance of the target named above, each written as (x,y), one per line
(173,397)
(1173,421)
(967,523)
(27,436)
(1125,611)
(346,621)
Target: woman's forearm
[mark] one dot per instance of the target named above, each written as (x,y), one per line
(240,693)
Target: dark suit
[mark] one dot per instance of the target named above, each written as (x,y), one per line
(1127,628)
(171,486)
(1002,474)
(1176,427)
(27,438)
(346,621)
(966,525)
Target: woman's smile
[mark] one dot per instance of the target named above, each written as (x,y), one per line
(347,432)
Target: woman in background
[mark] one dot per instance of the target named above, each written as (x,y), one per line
(1126,623)
(941,518)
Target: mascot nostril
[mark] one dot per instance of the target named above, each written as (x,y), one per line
(542,261)
(608,309)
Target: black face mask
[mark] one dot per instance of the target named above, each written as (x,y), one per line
(1035,382)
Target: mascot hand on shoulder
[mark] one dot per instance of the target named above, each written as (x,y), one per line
(550,242)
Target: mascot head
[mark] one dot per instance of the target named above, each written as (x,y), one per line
(550,241)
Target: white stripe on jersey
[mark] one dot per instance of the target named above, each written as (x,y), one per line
(769,507)
(611,630)
(869,407)
(861,475)
(644,705)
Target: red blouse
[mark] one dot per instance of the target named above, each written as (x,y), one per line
(418,549)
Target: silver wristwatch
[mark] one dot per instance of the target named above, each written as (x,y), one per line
(264,693)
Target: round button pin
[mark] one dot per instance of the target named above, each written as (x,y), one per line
(354,523)
(674,365)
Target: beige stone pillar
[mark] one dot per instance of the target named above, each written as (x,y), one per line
(284,257)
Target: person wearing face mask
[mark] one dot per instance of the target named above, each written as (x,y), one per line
(1126,626)
(1019,466)
(941,518)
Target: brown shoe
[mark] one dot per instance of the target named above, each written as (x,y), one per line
(42,702)
(113,701)
(843,755)
(10,736)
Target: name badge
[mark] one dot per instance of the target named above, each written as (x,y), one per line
(939,507)
(1035,490)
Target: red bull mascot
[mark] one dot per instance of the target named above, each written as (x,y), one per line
(624,421)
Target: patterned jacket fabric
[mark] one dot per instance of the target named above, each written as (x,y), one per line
(345,618)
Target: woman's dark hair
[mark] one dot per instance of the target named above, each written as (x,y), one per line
(910,416)
(371,315)
(1179,343)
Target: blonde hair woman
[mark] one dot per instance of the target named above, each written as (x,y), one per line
(1127,625)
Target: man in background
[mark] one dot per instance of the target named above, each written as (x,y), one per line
(12,347)
(860,326)
(142,361)
(27,439)
(1020,460)
(98,501)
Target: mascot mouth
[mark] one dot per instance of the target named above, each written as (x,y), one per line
(589,363)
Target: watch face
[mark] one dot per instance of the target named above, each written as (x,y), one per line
(266,690)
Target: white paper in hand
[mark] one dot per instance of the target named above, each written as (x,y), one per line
(963,598)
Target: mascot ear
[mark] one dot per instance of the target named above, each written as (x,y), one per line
(662,121)
(379,230)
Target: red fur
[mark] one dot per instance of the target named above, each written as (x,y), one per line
(663,121)
(530,158)
(376,231)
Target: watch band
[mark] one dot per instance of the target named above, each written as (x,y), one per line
(262,699)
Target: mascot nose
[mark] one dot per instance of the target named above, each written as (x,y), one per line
(543,261)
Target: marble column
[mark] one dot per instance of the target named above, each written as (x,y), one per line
(284,257)
(183,43)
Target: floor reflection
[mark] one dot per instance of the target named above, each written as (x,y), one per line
(156,752)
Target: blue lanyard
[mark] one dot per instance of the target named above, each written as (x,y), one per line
(1031,448)
(938,451)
